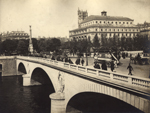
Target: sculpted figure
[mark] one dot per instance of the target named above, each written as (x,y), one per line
(61,82)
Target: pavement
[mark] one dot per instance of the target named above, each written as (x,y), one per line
(138,70)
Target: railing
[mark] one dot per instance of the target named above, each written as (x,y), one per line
(132,80)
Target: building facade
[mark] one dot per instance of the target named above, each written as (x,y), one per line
(104,26)
(14,35)
(144,29)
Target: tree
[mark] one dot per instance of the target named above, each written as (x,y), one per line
(96,43)
(53,44)
(35,44)
(22,47)
(9,46)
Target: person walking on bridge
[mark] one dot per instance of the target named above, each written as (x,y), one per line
(130,69)
(82,61)
(112,65)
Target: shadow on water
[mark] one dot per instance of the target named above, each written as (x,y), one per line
(98,103)
(15,98)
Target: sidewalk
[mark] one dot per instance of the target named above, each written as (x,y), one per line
(138,70)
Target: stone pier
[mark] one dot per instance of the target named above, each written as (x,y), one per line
(26,80)
(58,102)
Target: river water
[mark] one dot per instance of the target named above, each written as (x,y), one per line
(14,98)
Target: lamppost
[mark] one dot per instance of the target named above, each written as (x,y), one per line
(86,51)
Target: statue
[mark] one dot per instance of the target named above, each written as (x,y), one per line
(61,82)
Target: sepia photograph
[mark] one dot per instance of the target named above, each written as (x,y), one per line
(74,56)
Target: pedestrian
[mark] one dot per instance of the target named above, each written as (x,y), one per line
(70,61)
(53,58)
(82,61)
(104,66)
(130,69)
(66,59)
(112,65)
(96,65)
(78,61)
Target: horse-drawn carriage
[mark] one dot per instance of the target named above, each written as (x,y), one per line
(140,59)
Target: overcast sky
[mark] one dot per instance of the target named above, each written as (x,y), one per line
(54,18)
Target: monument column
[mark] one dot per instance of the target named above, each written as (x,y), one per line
(30,42)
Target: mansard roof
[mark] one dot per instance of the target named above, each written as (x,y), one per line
(110,18)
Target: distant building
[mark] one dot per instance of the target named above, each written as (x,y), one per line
(144,29)
(103,25)
(14,35)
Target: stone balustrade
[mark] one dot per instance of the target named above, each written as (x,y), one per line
(132,80)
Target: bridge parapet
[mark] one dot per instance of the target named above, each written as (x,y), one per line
(118,77)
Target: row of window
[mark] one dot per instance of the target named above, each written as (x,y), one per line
(105,22)
(111,35)
(106,30)
(117,30)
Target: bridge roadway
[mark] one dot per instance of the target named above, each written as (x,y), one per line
(77,79)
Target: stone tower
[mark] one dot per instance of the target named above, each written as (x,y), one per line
(30,42)
(81,16)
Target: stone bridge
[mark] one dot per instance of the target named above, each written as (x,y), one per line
(70,80)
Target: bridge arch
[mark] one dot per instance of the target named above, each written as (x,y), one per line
(21,68)
(98,102)
(42,76)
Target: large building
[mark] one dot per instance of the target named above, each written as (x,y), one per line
(14,35)
(104,26)
(144,29)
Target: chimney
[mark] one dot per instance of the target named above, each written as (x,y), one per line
(103,13)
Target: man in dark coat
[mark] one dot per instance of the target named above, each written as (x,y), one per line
(78,61)
(104,66)
(82,61)
(112,65)
(130,69)
(96,65)
(70,61)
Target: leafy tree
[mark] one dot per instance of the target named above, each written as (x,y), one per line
(41,45)
(35,44)
(22,47)
(96,43)
(9,46)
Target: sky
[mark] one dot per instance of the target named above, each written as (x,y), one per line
(54,18)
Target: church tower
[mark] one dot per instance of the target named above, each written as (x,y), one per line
(30,42)
(81,16)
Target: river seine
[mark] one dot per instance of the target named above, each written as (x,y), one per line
(15,98)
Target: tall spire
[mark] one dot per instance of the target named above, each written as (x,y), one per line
(30,42)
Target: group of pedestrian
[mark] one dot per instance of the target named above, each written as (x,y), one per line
(103,66)
(59,58)
(78,61)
